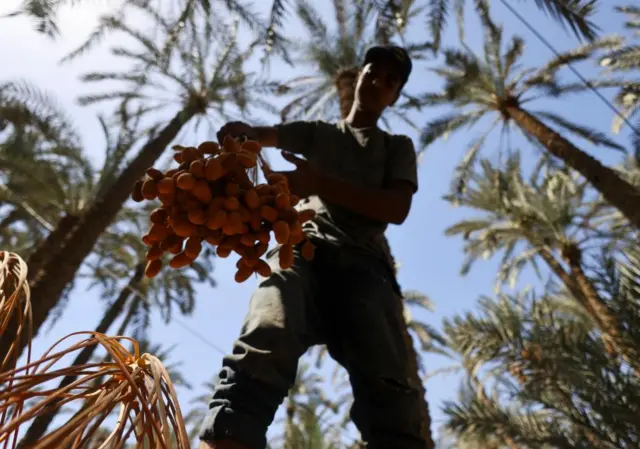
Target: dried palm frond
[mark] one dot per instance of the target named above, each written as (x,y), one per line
(138,384)
(14,304)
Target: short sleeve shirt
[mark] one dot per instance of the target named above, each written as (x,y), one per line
(369,157)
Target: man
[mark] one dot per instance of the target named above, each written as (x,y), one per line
(358,179)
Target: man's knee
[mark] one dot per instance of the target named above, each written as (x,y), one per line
(387,411)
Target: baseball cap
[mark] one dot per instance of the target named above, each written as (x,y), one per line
(391,54)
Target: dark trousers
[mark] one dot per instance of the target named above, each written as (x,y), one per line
(340,299)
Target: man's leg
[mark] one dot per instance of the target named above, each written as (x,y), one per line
(368,341)
(256,377)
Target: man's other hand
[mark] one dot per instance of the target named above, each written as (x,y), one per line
(304,180)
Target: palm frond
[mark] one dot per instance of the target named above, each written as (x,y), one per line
(24,104)
(446,125)
(274,40)
(574,13)
(106,23)
(437,20)
(623,59)
(43,12)
(416,298)
(86,100)
(312,21)
(391,18)
(635,142)
(513,54)
(559,90)
(464,168)
(582,53)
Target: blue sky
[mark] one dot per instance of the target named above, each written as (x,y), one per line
(430,261)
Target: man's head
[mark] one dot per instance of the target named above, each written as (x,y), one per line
(384,73)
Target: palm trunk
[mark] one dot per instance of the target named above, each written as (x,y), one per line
(614,342)
(508,441)
(49,247)
(42,422)
(568,281)
(586,294)
(345,83)
(60,271)
(618,192)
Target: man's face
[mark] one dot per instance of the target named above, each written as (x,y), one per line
(378,86)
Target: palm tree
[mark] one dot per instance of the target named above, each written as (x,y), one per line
(44,12)
(479,86)
(545,219)
(334,59)
(49,180)
(627,59)
(121,254)
(213,80)
(553,383)
(575,13)
(602,212)
(389,18)
(40,159)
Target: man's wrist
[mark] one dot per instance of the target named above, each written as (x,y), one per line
(266,135)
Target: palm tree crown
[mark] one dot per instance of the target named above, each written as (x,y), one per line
(479,86)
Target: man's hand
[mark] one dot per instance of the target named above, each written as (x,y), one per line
(304,180)
(388,205)
(236,129)
(266,135)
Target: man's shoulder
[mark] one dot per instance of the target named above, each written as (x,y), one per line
(321,125)
(396,140)
(395,136)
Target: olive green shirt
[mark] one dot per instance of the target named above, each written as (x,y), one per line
(369,157)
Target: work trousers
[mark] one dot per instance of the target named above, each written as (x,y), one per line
(345,300)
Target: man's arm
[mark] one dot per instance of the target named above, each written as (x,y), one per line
(266,135)
(296,137)
(388,205)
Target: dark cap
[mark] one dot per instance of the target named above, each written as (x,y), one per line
(391,54)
